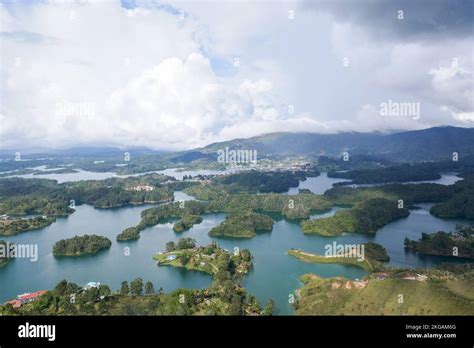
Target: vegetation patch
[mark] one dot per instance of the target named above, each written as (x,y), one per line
(365,217)
(10,227)
(80,245)
(186,222)
(394,292)
(244,225)
(459,243)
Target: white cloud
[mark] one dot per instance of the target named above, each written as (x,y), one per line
(146,77)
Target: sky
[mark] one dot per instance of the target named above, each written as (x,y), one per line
(183,74)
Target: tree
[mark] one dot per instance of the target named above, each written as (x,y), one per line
(236,305)
(104,290)
(91,295)
(269,307)
(124,289)
(183,258)
(61,287)
(170,247)
(136,287)
(149,289)
(185,243)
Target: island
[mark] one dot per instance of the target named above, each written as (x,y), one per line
(402,173)
(10,226)
(459,243)
(81,245)
(366,256)
(186,222)
(243,225)
(365,217)
(187,255)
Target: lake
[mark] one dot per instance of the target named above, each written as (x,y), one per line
(87,175)
(275,274)
(321,183)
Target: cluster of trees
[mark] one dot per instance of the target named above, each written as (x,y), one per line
(242,225)
(78,245)
(409,193)
(375,252)
(461,203)
(402,173)
(12,227)
(139,298)
(365,217)
(181,244)
(19,196)
(137,288)
(263,182)
(458,244)
(117,192)
(186,222)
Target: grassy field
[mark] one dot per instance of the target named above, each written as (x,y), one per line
(314,258)
(389,296)
(194,264)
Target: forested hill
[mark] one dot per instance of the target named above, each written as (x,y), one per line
(428,144)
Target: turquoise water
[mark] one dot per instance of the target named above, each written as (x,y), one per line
(275,275)
(321,183)
(87,175)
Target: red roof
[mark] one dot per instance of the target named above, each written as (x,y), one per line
(32,295)
(15,303)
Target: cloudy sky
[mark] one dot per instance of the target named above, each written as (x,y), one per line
(176,75)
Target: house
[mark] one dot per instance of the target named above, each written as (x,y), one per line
(15,304)
(91,285)
(409,278)
(202,264)
(26,298)
(171,257)
(421,277)
(4,217)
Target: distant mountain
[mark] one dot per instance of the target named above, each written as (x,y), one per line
(422,145)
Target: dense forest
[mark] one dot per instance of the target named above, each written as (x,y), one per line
(461,203)
(20,196)
(242,225)
(263,182)
(11,227)
(79,245)
(375,252)
(365,217)
(186,222)
(181,244)
(403,173)
(459,243)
